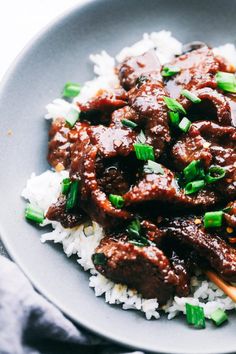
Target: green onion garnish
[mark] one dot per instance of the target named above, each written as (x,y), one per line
(34,213)
(174,118)
(141,138)
(190,96)
(170,71)
(65,185)
(116,200)
(195,316)
(99,258)
(173,105)
(72,117)
(134,228)
(71,90)
(144,152)
(135,236)
(193,170)
(185,124)
(153,167)
(215,173)
(213,219)
(193,187)
(226,81)
(218,317)
(72,196)
(129,123)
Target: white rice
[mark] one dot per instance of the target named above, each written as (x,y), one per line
(43,190)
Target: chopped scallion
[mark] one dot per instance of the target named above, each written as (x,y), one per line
(213,219)
(129,123)
(226,81)
(218,317)
(174,105)
(215,173)
(193,170)
(72,196)
(65,185)
(99,258)
(134,228)
(72,117)
(117,201)
(153,167)
(174,118)
(185,124)
(34,213)
(144,152)
(71,90)
(168,71)
(195,316)
(191,96)
(193,187)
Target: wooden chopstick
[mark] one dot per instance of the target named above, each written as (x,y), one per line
(228,289)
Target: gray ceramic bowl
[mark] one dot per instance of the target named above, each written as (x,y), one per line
(59,54)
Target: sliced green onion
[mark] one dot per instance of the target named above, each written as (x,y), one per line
(129,123)
(185,124)
(144,152)
(71,90)
(153,167)
(227,209)
(218,317)
(99,258)
(72,196)
(190,96)
(193,170)
(193,187)
(170,71)
(141,242)
(116,200)
(195,316)
(134,228)
(65,185)
(213,219)
(215,173)
(141,138)
(34,213)
(173,105)
(174,118)
(72,117)
(226,81)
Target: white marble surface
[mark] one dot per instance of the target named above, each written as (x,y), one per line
(20,20)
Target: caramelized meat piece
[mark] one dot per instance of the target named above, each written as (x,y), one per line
(211,247)
(57,212)
(230,215)
(146,98)
(214,106)
(213,145)
(146,269)
(198,69)
(143,65)
(164,190)
(62,139)
(99,108)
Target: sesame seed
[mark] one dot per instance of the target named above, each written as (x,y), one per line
(197,221)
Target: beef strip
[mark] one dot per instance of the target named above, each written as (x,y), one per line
(58,212)
(211,247)
(146,98)
(198,69)
(139,66)
(146,269)
(164,191)
(213,145)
